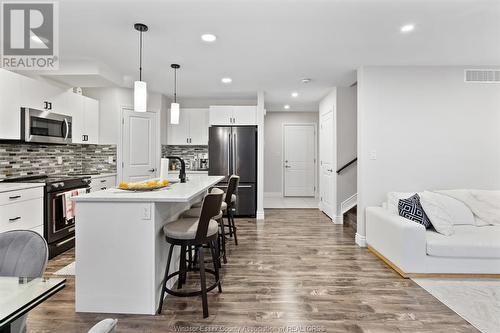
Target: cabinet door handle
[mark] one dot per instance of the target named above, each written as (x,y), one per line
(103,180)
(15,219)
(103,188)
(14,197)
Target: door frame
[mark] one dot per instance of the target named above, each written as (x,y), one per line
(315,127)
(120,145)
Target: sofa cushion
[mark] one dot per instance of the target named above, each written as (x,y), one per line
(411,209)
(468,241)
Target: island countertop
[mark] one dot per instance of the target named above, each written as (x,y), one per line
(178,192)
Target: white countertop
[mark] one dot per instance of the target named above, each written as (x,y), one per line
(7,187)
(102,175)
(178,192)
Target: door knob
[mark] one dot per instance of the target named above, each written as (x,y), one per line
(152,170)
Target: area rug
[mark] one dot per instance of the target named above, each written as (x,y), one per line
(477,301)
(67,270)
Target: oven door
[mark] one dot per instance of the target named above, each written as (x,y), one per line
(61,214)
(45,127)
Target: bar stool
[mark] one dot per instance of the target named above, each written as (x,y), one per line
(229,199)
(196,212)
(197,232)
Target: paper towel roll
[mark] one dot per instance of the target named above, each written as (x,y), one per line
(164,168)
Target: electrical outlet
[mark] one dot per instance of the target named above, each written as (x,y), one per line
(110,159)
(59,159)
(372,155)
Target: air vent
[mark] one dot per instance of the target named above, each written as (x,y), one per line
(482,75)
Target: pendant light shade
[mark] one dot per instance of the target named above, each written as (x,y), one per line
(140,96)
(175,107)
(140,87)
(174,113)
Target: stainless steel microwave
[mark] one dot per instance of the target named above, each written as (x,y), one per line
(45,126)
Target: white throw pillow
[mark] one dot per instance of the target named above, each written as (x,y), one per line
(460,213)
(438,212)
(393,200)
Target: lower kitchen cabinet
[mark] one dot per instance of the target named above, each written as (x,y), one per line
(22,209)
(100,183)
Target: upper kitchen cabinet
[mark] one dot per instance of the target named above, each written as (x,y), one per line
(10,106)
(91,122)
(191,130)
(233,115)
(42,96)
(85,118)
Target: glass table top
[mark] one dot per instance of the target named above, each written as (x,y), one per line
(19,295)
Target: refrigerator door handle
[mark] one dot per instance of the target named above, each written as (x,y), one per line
(229,154)
(235,168)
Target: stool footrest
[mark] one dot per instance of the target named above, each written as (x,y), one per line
(190,293)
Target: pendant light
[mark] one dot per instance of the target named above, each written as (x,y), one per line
(140,87)
(174,107)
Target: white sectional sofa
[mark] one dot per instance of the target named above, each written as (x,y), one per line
(414,251)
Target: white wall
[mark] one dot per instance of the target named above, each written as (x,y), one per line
(346,136)
(430,130)
(273,150)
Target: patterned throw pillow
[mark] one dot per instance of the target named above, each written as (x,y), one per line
(411,209)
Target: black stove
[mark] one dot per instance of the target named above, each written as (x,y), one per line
(59,225)
(53,182)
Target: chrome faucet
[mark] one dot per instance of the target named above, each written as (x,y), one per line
(182,173)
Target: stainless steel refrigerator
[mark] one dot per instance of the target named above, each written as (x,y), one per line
(233,150)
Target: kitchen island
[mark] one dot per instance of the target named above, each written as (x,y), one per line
(121,251)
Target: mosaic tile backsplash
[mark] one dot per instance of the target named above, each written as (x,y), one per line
(188,153)
(21,159)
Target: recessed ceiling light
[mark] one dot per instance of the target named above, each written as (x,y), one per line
(286,107)
(305,80)
(295,94)
(209,38)
(226,80)
(407,28)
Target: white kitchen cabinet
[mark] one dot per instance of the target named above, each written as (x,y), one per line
(100,183)
(22,209)
(232,115)
(10,105)
(84,114)
(245,115)
(178,134)
(192,128)
(40,95)
(221,115)
(91,120)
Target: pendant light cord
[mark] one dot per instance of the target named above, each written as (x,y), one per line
(140,57)
(175,85)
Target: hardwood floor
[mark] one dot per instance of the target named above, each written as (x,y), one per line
(294,268)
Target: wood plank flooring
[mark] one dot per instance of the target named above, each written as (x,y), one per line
(294,268)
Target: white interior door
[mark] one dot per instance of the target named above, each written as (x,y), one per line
(326,164)
(138,146)
(299,157)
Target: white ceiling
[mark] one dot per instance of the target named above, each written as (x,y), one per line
(271,44)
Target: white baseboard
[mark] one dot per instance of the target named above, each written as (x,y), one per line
(360,240)
(273,194)
(338,220)
(259,215)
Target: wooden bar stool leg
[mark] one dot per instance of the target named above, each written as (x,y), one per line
(216,261)
(182,267)
(190,258)
(164,286)
(233,226)
(223,240)
(203,281)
